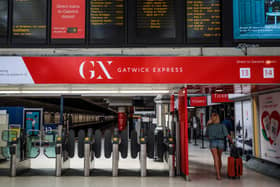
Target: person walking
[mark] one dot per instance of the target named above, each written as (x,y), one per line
(216,132)
(195,121)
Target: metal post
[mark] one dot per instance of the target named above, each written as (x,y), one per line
(177,139)
(58,160)
(171,157)
(87,159)
(13,161)
(143,159)
(61,109)
(115,161)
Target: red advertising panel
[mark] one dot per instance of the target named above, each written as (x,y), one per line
(199,101)
(121,121)
(68,19)
(183,116)
(191,70)
(220,98)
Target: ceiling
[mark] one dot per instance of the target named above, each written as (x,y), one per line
(106,98)
(126,90)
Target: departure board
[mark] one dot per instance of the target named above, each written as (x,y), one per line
(106,20)
(203,21)
(29,21)
(3,20)
(155,19)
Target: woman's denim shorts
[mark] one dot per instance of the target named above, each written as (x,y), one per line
(217,143)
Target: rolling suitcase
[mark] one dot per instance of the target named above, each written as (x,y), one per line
(235,164)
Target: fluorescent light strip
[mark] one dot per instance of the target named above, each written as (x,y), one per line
(85,92)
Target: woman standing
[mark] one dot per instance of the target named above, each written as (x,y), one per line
(216,132)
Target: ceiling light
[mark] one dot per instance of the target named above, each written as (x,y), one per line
(219,90)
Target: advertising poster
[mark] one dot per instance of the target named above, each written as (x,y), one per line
(68,19)
(256,19)
(32,122)
(238,126)
(244,126)
(269,114)
(248,127)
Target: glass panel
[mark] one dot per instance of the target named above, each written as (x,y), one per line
(49,140)
(33,142)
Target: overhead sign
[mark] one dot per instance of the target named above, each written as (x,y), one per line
(199,101)
(68,19)
(269,106)
(220,98)
(133,70)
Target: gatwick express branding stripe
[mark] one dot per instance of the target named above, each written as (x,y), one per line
(193,70)
(126,70)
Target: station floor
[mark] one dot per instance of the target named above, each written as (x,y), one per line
(201,173)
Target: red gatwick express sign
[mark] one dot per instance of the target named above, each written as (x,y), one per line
(154,70)
(220,98)
(199,101)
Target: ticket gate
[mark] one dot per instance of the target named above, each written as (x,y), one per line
(21,147)
(58,145)
(11,152)
(116,144)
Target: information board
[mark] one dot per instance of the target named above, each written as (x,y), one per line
(106,20)
(256,19)
(155,19)
(29,21)
(3,19)
(68,19)
(203,21)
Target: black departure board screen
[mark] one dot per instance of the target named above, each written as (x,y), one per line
(106,21)
(203,21)
(3,20)
(29,21)
(155,19)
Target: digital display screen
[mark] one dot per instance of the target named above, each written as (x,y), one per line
(3,19)
(68,19)
(257,19)
(29,21)
(155,19)
(106,20)
(32,122)
(203,21)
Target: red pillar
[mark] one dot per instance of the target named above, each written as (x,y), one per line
(183,117)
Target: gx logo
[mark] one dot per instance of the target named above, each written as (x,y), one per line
(93,72)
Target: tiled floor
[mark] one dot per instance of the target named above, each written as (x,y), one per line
(201,173)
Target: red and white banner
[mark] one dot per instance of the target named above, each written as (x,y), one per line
(198,101)
(220,98)
(68,19)
(146,70)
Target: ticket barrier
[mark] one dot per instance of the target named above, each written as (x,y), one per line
(62,160)
(88,155)
(146,147)
(115,158)
(11,152)
(30,145)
